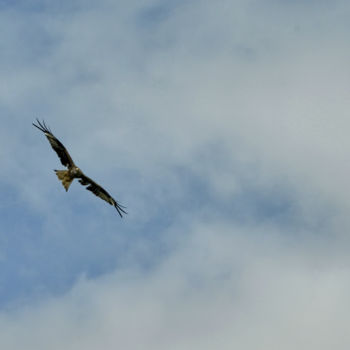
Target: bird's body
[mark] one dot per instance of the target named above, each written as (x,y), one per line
(73,172)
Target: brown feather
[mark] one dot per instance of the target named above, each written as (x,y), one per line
(57,146)
(99,191)
(64,177)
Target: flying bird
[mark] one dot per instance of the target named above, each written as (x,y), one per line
(73,172)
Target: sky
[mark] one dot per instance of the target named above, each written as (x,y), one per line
(222,126)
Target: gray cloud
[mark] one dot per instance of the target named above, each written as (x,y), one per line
(223,127)
(225,287)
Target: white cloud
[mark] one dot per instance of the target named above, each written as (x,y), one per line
(232,95)
(226,287)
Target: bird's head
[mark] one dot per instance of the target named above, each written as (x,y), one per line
(76,171)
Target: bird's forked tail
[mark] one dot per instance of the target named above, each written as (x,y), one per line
(63,175)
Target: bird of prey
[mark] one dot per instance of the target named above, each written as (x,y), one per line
(73,172)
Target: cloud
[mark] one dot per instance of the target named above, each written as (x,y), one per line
(223,128)
(225,287)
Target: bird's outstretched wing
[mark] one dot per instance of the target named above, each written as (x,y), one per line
(102,193)
(61,151)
